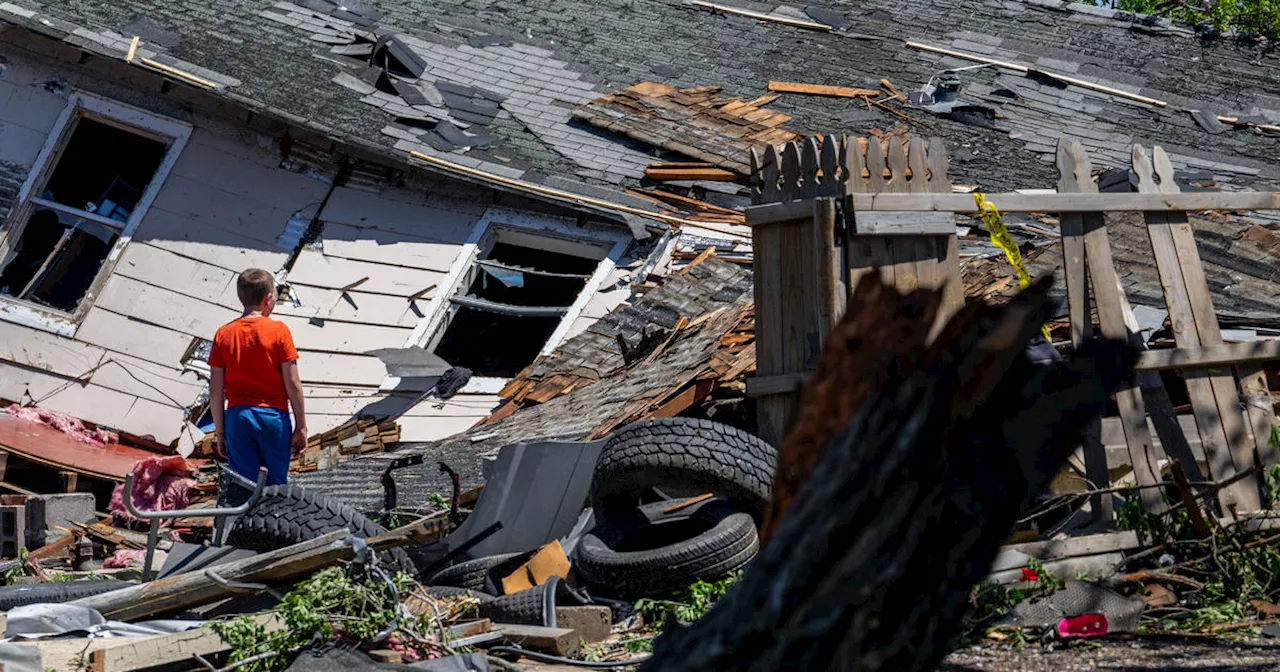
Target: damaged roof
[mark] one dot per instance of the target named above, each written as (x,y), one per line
(714,297)
(493,84)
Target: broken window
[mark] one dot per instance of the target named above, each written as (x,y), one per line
(513,298)
(80,203)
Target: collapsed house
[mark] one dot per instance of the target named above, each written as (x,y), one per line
(487,185)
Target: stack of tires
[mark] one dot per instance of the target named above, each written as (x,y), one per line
(654,534)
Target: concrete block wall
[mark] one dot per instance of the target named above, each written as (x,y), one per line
(46,513)
(13,520)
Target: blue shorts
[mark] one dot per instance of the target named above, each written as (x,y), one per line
(258,436)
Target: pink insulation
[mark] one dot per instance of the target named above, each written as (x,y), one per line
(159,484)
(64,423)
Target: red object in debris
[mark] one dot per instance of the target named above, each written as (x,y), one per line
(1084,625)
(1029,574)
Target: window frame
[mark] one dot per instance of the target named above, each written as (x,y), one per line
(84,105)
(435,320)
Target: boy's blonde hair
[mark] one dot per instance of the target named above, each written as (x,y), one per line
(254,286)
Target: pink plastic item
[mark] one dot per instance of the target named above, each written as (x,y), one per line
(1084,625)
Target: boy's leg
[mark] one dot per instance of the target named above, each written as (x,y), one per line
(243,455)
(275,432)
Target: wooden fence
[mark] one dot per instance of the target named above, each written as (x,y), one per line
(827,210)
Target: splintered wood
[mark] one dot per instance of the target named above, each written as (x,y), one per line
(694,122)
(728,360)
(358,436)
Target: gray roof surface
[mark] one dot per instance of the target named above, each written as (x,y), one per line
(542,58)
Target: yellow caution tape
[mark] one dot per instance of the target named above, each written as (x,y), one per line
(1000,238)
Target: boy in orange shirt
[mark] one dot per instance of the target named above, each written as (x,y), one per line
(254,382)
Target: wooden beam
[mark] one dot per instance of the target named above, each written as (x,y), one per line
(708,174)
(560,194)
(762,17)
(821,90)
(904,224)
(1015,202)
(1093,544)
(132,653)
(764,386)
(1024,69)
(1209,356)
(1151,360)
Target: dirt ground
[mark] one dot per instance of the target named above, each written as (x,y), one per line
(1214,654)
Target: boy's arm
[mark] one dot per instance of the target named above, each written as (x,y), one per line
(218,406)
(293,387)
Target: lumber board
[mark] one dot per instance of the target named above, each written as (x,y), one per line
(1016,67)
(886,223)
(1210,356)
(132,653)
(1102,506)
(1214,397)
(710,174)
(193,589)
(821,90)
(1073,547)
(1074,164)
(1057,203)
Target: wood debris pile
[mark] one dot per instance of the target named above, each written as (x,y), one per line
(694,122)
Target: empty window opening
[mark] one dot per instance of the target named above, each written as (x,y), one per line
(513,298)
(62,235)
(104,170)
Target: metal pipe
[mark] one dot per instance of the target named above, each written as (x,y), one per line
(153,535)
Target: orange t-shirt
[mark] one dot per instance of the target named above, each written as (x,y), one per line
(252,349)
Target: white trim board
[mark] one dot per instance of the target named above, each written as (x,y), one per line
(555,227)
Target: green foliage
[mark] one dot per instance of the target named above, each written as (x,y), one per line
(438,501)
(991,600)
(1271,486)
(331,603)
(689,604)
(17,571)
(1250,16)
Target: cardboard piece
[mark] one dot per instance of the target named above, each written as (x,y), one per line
(547,562)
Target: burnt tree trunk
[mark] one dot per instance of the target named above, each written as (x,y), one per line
(871,563)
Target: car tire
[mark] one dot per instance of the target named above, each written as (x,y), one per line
(650,552)
(287,514)
(690,455)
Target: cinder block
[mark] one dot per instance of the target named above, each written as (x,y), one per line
(46,513)
(592,623)
(12,521)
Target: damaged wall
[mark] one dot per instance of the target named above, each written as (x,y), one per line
(225,206)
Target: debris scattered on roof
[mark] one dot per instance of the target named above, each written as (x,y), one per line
(821,90)
(694,122)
